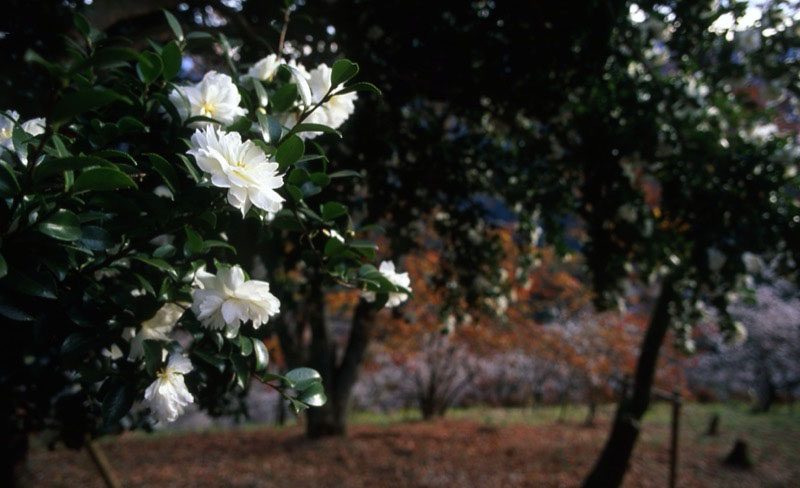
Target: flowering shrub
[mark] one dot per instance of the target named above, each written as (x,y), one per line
(123,296)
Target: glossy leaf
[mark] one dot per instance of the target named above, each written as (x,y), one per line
(174,25)
(63,225)
(342,70)
(103,179)
(289,151)
(262,355)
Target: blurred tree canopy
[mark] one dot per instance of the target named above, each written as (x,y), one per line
(655,138)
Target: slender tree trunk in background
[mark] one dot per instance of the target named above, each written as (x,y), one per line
(610,468)
(338,379)
(767,394)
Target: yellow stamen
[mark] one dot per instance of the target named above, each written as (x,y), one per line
(207,108)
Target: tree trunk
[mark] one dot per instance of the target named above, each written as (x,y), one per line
(767,394)
(612,464)
(331,419)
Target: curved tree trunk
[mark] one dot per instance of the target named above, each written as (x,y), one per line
(610,468)
(338,378)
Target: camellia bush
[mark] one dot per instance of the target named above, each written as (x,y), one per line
(123,300)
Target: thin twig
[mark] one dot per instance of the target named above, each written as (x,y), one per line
(285,27)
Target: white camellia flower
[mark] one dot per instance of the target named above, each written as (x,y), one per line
(215,96)
(156,328)
(332,113)
(338,108)
(241,167)
(264,69)
(33,127)
(167,396)
(398,279)
(226,300)
(7,129)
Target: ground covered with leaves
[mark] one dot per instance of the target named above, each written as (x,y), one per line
(472,448)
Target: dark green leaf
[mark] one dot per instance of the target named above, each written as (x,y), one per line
(342,70)
(360,86)
(246,345)
(262,355)
(13,312)
(52,167)
(297,176)
(314,395)
(8,181)
(117,402)
(309,189)
(63,225)
(152,356)
(103,179)
(165,251)
(190,168)
(302,378)
(194,243)
(332,210)
(3,266)
(199,37)
(289,151)
(149,67)
(261,93)
(213,360)
(334,247)
(347,173)
(283,98)
(211,243)
(80,23)
(171,60)
(83,100)
(175,25)
(320,179)
(76,343)
(271,129)
(159,264)
(165,169)
(297,406)
(241,370)
(95,238)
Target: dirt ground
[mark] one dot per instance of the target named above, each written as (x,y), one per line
(444,453)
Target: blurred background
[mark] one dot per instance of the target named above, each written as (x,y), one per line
(542,171)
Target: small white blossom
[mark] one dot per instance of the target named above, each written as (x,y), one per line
(226,300)
(241,167)
(33,127)
(214,96)
(264,69)
(398,279)
(332,113)
(7,129)
(167,396)
(338,108)
(156,328)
